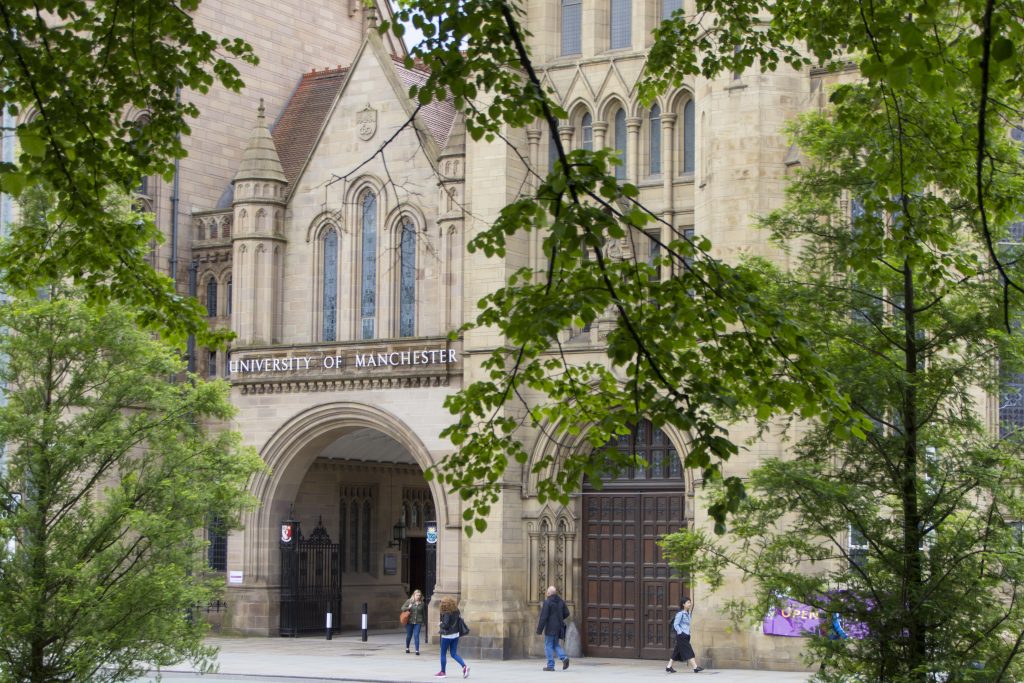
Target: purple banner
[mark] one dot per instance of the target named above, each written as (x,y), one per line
(792,619)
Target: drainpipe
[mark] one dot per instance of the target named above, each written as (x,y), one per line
(193,277)
(173,262)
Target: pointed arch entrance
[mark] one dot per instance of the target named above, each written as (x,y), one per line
(629,591)
(355,472)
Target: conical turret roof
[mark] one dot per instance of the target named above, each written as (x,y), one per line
(260,161)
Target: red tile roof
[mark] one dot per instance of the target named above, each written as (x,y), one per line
(303,117)
(437,116)
(296,130)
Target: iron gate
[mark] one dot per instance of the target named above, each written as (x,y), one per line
(310,580)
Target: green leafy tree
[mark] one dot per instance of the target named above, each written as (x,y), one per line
(110,478)
(701,347)
(909,533)
(80,67)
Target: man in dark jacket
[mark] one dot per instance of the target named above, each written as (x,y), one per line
(552,624)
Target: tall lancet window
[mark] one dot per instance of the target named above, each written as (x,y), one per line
(655,138)
(588,132)
(211,297)
(620,143)
(621,24)
(407,285)
(329,299)
(689,137)
(368,290)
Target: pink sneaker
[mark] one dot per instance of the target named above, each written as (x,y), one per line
(465,671)
(440,674)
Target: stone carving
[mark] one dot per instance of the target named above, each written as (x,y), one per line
(366,123)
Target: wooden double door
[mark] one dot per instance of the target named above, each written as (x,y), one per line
(630,593)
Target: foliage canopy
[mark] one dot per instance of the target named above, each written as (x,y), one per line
(109,476)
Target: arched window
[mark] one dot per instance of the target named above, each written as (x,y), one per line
(621,24)
(211,297)
(688,137)
(621,142)
(654,134)
(572,22)
(670,6)
(231,291)
(407,283)
(552,151)
(353,534)
(329,298)
(368,290)
(343,536)
(366,536)
(587,124)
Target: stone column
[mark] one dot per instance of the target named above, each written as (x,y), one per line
(668,161)
(633,153)
(600,129)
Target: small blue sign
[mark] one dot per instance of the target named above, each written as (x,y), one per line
(431,532)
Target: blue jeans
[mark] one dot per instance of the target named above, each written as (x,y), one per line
(412,631)
(551,647)
(453,645)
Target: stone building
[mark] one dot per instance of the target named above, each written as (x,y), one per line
(341,264)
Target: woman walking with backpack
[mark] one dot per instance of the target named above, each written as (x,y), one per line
(452,628)
(683,651)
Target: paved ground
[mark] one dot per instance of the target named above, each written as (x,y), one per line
(382,658)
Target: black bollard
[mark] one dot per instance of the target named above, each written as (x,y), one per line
(364,622)
(330,631)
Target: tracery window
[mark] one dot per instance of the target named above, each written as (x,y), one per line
(654,135)
(329,295)
(407,281)
(621,24)
(368,290)
(572,21)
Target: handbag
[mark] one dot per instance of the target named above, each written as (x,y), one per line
(463,629)
(404,617)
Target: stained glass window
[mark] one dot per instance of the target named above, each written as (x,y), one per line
(588,132)
(368,299)
(621,24)
(655,137)
(211,297)
(688,137)
(330,286)
(620,143)
(407,286)
(572,15)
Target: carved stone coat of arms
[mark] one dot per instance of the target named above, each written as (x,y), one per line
(366,123)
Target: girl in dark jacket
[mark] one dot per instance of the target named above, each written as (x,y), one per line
(451,629)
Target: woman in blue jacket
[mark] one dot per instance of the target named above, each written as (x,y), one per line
(683,651)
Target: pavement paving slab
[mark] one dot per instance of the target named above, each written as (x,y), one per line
(382,659)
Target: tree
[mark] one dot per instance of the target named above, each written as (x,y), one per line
(110,478)
(80,67)
(897,292)
(700,348)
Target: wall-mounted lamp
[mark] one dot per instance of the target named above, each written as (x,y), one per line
(397,534)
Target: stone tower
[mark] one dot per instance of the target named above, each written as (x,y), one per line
(258,243)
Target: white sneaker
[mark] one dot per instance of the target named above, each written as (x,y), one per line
(465,671)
